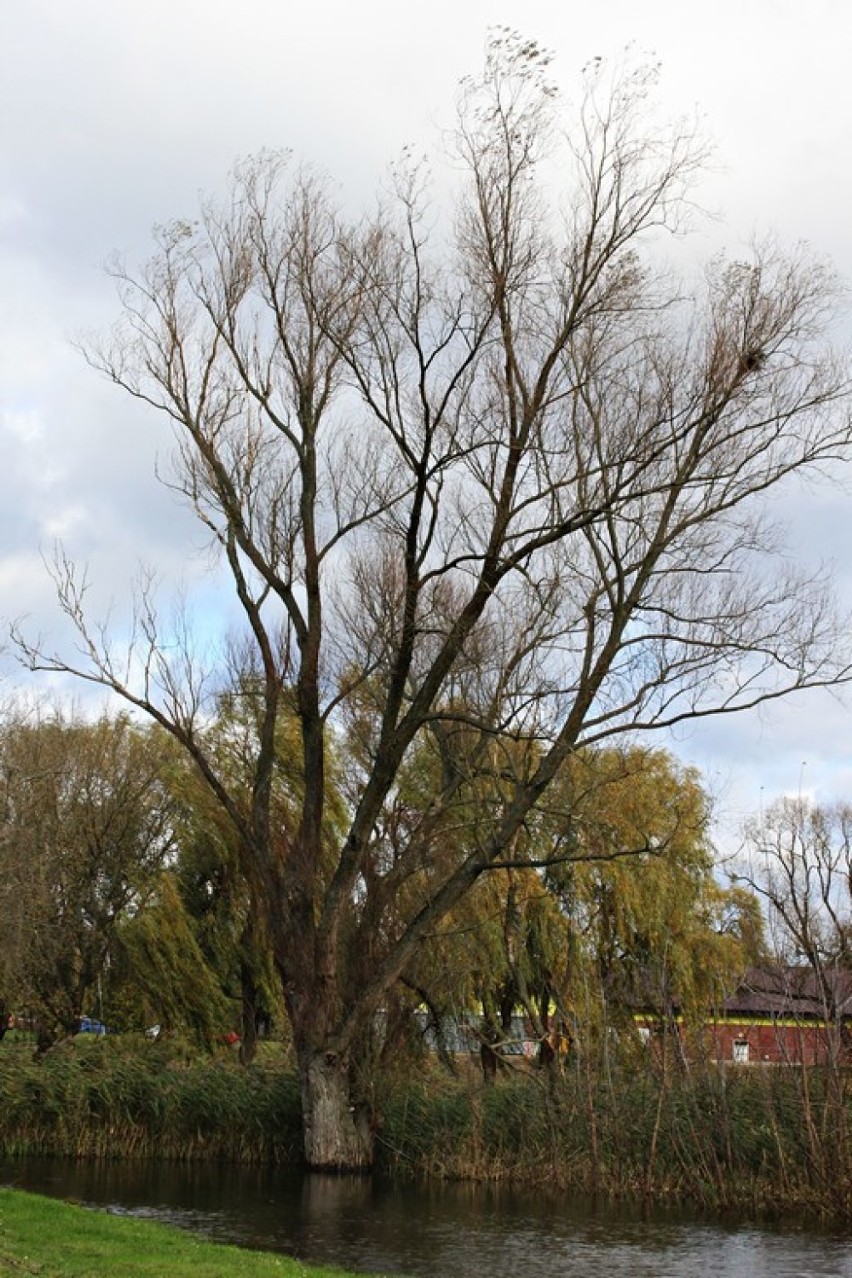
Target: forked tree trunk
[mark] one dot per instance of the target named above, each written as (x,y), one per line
(337,1131)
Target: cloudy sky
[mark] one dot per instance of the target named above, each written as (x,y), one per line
(114,116)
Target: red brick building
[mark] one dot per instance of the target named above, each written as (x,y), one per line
(785,1015)
(778,1015)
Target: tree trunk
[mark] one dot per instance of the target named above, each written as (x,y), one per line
(248,1014)
(490,1063)
(337,1132)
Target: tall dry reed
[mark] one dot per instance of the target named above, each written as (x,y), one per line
(105,1099)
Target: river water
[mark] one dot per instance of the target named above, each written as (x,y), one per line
(438,1229)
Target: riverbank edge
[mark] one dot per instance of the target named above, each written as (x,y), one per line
(766,1143)
(53,1239)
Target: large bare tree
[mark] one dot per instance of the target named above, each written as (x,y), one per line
(486,477)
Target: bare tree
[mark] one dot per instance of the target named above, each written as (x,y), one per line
(500,490)
(800,865)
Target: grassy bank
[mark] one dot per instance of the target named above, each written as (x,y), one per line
(55,1240)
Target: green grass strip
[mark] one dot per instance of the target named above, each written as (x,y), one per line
(52,1239)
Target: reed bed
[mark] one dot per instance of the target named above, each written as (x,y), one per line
(767,1140)
(101,1100)
(754,1140)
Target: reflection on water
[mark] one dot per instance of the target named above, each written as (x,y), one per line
(379,1227)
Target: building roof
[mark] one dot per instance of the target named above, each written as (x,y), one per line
(791,991)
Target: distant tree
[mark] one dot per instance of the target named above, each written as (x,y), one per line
(161,978)
(630,916)
(85,830)
(656,926)
(514,479)
(798,859)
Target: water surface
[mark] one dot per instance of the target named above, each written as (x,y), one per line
(438,1229)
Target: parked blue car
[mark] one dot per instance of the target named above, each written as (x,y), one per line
(89,1026)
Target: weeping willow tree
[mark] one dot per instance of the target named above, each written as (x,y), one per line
(221,899)
(610,907)
(162,975)
(85,831)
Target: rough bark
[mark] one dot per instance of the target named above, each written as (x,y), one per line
(337,1132)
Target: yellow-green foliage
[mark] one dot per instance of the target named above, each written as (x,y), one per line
(655,921)
(87,829)
(166,967)
(620,908)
